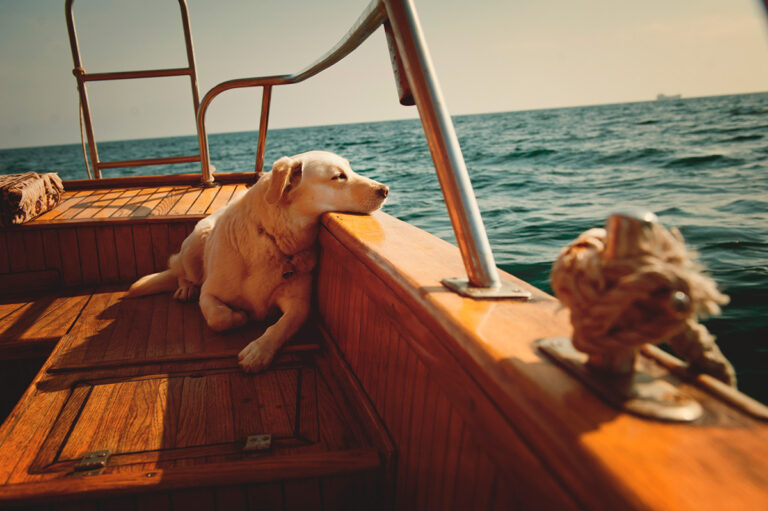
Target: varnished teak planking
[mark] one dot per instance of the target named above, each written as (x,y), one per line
(106,235)
(180,422)
(545,434)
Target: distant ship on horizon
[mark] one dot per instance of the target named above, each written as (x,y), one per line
(664,97)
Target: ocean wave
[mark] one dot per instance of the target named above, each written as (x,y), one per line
(720,129)
(673,211)
(703,161)
(748,111)
(747,206)
(743,138)
(738,245)
(351,143)
(646,155)
(528,154)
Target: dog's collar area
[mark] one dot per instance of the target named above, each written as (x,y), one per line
(288,274)
(261,230)
(290,269)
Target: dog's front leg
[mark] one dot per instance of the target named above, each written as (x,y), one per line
(187,291)
(293,301)
(219,315)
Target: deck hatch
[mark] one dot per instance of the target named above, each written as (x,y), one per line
(159,418)
(116,332)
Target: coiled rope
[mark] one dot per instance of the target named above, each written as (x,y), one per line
(652,293)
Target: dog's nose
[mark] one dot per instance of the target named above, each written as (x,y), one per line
(383,191)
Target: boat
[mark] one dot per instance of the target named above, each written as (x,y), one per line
(670,97)
(417,384)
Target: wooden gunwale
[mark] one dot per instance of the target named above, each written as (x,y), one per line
(603,457)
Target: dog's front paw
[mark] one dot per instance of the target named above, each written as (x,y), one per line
(256,356)
(188,293)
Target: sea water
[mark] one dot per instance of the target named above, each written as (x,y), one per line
(542,177)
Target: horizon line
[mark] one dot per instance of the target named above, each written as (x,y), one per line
(308,126)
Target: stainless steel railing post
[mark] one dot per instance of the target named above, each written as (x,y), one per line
(266,98)
(82,78)
(444,146)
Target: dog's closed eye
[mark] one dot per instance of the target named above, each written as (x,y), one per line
(339,177)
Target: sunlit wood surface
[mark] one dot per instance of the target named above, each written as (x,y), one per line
(480,416)
(147,379)
(138,202)
(106,235)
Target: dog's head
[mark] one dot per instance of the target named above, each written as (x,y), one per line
(316,182)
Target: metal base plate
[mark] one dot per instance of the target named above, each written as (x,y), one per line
(638,393)
(505,290)
(261,442)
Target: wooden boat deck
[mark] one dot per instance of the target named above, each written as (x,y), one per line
(109,232)
(148,380)
(133,203)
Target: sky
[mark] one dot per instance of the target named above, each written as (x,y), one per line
(489,55)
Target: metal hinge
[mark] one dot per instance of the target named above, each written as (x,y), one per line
(260,442)
(93,463)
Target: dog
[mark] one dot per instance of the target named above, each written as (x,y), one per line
(255,256)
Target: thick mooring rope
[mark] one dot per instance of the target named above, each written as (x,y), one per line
(653,293)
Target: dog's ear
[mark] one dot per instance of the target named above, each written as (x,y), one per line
(285,176)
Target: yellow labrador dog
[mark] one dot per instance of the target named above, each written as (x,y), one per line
(256,254)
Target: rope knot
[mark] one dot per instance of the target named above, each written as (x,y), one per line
(635,282)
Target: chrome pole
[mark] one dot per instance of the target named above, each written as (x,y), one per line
(82,90)
(266,98)
(446,154)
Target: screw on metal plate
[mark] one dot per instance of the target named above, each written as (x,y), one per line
(92,463)
(637,392)
(260,442)
(505,290)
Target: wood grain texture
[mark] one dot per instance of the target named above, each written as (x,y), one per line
(89,256)
(222,198)
(150,203)
(34,249)
(32,327)
(507,402)
(408,376)
(307,466)
(191,180)
(5,264)
(182,424)
(107,235)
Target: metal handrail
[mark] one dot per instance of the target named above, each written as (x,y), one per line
(366,24)
(82,78)
(409,54)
